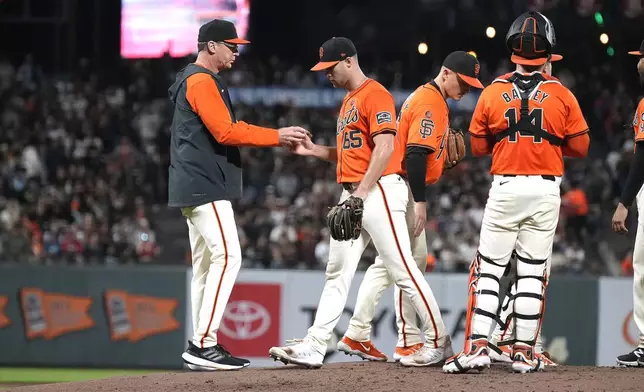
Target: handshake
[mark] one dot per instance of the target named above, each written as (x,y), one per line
(296,139)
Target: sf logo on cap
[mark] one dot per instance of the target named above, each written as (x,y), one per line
(477,69)
(321,52)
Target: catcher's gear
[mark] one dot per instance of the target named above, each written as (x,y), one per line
(345,219)
(455,150)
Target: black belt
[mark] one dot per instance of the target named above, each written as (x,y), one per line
(544,176)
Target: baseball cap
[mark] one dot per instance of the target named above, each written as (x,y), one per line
(333,51)
(639,52)
(466,66)
(219,30)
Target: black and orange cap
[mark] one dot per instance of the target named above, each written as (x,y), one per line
(333,51)
(220,30)
(466,66)
(639,52)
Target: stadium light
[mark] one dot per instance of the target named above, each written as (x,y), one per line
(610,51)
(473,53)
(422,48)
(599,18)
(490,32)
(603,38)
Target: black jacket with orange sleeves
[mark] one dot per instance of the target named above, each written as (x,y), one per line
(201,170)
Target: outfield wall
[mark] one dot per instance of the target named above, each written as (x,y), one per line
(139,316)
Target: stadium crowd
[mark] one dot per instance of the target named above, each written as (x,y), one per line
(83,165)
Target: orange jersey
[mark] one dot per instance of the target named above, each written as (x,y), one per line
(365,112)
(638,122)
(423,121)
(552,108)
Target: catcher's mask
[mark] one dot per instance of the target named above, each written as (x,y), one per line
(531,39)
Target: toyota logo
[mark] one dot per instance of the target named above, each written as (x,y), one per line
(245,320)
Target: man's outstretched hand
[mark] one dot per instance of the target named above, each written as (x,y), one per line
(288,136)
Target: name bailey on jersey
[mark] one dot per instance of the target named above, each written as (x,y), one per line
(539,96)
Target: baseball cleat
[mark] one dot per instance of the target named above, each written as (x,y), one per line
(212,358)
(499,353)
(298,352)
(633,359)
(365,350)
(477,359)
(406,351)
(523,360)
(428,356)
(545,358)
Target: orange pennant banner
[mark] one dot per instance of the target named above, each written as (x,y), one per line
(4,320)
(50,315)
(135,317)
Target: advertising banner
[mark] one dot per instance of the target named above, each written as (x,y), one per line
(618,333)
(570,323)
(124,317)
(324,97)
(254,318)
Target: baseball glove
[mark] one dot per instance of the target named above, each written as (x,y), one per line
(455,148)
(345,219)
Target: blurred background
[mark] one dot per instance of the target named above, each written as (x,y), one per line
(84,125)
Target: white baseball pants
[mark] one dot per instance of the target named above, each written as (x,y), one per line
(521,213)
(376,280)
(216,260)
(384,222)
(638,269)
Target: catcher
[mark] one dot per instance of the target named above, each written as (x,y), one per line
(372,206)
(431,147)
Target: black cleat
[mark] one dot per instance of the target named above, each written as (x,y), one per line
(633,359)
(212,358)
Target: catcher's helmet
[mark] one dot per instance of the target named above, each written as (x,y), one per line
(531,39)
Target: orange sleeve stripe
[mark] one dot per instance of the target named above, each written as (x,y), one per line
(577,134)
(577,147)
(386,130)
(204,98)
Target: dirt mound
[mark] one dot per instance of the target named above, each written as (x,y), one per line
(370,376)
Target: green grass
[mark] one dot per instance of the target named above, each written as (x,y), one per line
(50,375)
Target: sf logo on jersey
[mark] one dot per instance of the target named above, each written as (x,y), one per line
(641,121)
(426,125)
(350,117)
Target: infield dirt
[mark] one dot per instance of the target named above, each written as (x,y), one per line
(365,376)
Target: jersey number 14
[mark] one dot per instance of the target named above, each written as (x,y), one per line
(536,120)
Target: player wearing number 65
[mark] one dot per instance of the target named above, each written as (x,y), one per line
(528,121)
(368,165)
(424,132)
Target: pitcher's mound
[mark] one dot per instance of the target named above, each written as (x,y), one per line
(366,377)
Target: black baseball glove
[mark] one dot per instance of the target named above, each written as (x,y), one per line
(345,219)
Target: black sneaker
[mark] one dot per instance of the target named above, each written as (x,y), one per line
(212,358)
(633,359)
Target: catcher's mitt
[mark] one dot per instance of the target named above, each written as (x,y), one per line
(345,219)
(455,148)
